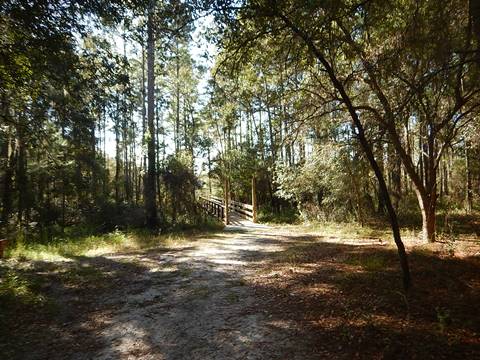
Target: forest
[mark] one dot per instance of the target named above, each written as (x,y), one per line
(248,179)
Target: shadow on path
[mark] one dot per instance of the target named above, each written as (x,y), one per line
(246,293)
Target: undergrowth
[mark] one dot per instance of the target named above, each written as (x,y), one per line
(61,248)
(286,216)
(16,288)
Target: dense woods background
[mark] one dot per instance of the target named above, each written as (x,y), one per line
(111,118)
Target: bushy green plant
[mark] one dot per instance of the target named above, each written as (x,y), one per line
(287,215)
(15,288)
(180,184)
(329,185)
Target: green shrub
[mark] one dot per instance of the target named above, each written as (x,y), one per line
(287,215)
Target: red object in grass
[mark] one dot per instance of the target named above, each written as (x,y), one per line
(3,245)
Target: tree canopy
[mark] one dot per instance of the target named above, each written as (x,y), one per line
(340,111)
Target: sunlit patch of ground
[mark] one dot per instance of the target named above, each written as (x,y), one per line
(344,293)
(247,293)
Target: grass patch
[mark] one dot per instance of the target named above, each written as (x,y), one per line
(83,275)
(292,255)
(20,292)
(232,298)
(236,283)
(287,216)
(349,229)
(458,224)
(18,289)
(21,300)
(201,292)
(353,230)
(59,249)
(373,263)
(184,272)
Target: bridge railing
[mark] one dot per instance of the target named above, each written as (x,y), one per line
(212,207)
(246,210)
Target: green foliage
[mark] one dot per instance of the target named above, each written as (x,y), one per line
(180,183)
(16,288)
(240,164)
(373,263)
(287,215)
(324,187)
(270,111)
(232,298)
(70,246)
(443,318)
(61,248)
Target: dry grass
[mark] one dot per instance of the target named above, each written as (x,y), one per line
(342,289)
(61,249)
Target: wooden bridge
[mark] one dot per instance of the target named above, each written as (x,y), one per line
(235,213)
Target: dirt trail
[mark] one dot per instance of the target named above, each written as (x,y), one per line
(249,292)
(192,302)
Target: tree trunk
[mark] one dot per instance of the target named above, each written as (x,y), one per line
(254,199)
(150,192)
(469,192)
(209,171)
(474,10)
(21,174)
(381,210)
(446,174)
(177,100)
(427,203)
(10,159)
(430,201)
(117,156)
(105,176)
(227,201)
(157,154)
(365,145)
(144,124)
(395,166)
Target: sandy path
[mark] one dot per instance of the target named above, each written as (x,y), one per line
(237,295)
(188,303)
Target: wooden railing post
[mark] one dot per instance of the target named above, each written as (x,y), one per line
(254,199)
(223,208)
(227,202)
(3,245)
